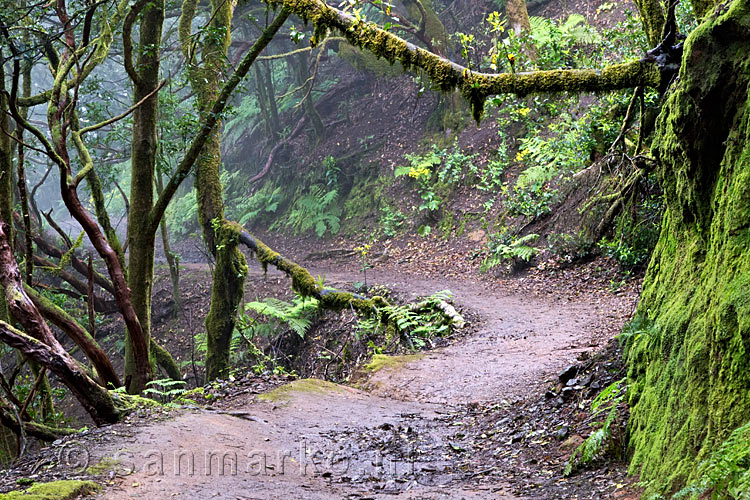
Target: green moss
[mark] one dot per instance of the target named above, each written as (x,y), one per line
(362,201)
(56,490)
(265,255)
(445,226)
(104,465)
(652,17)
(687,369)
(381,361)
(307,386)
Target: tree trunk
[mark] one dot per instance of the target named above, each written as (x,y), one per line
(302,72)
(271,95)
(230,268)
(652,18)
(172,258)
(6,166)
(518,16)
(431,30)
(80,336)
(141,239)
(688,358)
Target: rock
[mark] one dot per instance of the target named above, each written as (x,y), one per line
(477,236)
(502,422)
(517,437)
(585,381)
(568,374)
(571,382)
(550,395)
(595,386)
(562,433)
(567,393)
(558,403)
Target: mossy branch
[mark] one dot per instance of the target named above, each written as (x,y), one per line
(102,47)
(34,429)
(328,298)
(475,87)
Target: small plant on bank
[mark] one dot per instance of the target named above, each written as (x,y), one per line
(421,170)
(364,261)
(504,249)
(438,168)
(601,440)
(569,248)
(391,221)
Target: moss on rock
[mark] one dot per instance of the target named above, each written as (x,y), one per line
(307,385)
(687,365)
(381,361)
(55,490)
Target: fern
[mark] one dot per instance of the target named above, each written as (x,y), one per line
(165,389)
(607,400)
(401,172)
(316,210)
(414,326)
(518,250)
(296,316)
(575,30)
(262,203)
(726,473)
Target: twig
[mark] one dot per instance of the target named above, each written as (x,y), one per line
(90,299)
(32,392)
(57,228)
(124,114)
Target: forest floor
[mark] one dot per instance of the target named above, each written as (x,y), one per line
(483,416)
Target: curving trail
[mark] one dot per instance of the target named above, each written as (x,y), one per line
(389,440)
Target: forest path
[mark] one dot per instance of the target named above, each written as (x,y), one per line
(315,440)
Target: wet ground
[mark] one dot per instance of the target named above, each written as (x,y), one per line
(395,437)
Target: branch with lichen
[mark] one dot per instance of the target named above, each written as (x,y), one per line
(448,76)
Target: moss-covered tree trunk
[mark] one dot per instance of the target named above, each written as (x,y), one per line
(6,165)
(688,360)
(230,269)
(7,447)
(652,19)
(518,16)
(143,165)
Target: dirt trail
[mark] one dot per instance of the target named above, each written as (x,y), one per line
(320,441)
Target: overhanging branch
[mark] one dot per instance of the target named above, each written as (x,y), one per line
(475,87)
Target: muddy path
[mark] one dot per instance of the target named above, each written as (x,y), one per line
(390,438)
